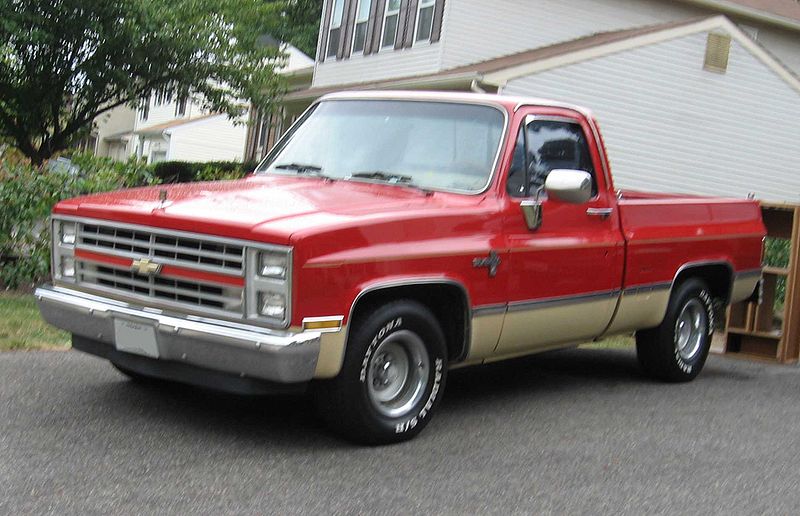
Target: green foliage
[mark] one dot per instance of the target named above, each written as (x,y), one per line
(27,194)
(185,171)
(776,254)
(64,62)
(299,24)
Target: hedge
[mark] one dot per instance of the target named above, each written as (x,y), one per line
(28,194)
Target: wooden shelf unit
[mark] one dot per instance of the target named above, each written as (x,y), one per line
(755,330)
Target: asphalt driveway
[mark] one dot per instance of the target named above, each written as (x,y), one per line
(578,431)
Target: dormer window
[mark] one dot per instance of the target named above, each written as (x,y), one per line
(362,20)
(335,31)
(390,21)
(425,20)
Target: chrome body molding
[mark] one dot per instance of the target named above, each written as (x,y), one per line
(533,304)
(222,346)
(423,280)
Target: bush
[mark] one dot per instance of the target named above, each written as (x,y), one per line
(28,194)
(185,171)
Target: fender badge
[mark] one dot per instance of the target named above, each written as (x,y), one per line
(145,267)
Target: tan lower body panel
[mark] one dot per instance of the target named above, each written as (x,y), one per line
(541,328)
(639,309)
(743,286)
(331,354)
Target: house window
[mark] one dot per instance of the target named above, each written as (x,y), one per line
(425,20)
(145,110)
(360,32)
(335,31)
(180,106)
(391,19)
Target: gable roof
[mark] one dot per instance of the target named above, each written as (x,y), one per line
(784,13)
(160,128)
(498,71)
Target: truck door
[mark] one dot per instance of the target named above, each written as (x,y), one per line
(564,276)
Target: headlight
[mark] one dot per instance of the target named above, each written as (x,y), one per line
(67,267)
(67,233)
(272,304)
(272,265)
(268,293)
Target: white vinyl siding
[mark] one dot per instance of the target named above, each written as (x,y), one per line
(420,60)
(671,126)
(210,139)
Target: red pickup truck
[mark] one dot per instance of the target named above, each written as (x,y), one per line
(388,238)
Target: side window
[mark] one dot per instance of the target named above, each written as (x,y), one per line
(549,145)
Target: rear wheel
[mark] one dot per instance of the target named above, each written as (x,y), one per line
(676,350)
(392,378)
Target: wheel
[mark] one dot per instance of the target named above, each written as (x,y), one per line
(676,350)
(392,378)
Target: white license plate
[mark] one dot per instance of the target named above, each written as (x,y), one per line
(137,338)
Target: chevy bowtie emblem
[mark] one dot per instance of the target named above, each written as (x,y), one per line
(146,267)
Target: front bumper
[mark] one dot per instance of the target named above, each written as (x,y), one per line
(238,349)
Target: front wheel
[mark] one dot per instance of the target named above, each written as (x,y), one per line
(392,378)
(676,350)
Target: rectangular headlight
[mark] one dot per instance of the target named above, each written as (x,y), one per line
(272,304)
(67,232)
(67,267)
(273,265)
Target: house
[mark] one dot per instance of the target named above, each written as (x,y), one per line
(695,96)
(170,127)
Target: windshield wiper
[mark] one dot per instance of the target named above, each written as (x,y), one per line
(391,178)
(300,168)
(384,176)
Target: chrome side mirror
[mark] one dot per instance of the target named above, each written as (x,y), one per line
(574,186)
(532,212)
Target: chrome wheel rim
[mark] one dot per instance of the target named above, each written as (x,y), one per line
(690,328)
(397,374)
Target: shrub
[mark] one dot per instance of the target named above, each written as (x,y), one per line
(28,194)
(185,171)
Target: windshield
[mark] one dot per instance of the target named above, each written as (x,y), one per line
(431,145)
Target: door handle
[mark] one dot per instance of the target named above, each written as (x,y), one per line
(603,213)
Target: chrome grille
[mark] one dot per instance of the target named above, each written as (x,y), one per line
(209,254)
(182,291)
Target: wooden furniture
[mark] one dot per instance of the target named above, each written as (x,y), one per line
(761,331)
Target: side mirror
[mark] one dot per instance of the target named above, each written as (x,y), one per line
(574,186)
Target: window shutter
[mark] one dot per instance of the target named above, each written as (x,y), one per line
(410,25)
(401,24)
(438,14)
(326,25)
(347,23)
(376,25)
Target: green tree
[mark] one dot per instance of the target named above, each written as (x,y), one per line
(64,62)
(299,24)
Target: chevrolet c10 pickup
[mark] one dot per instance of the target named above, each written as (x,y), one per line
(387,238)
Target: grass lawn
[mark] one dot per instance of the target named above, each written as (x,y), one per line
(22,328)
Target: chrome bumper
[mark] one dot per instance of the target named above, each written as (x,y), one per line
(239,349)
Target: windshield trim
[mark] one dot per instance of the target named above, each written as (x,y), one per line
(498,155)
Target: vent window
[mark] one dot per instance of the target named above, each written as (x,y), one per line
(718,50)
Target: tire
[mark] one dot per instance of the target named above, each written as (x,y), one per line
(392,378)
(676,350)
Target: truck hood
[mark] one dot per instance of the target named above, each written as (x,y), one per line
(256,208)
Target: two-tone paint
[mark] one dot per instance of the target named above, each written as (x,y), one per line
(594,269)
